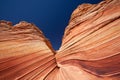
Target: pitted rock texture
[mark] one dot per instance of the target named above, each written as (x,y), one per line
(90,48)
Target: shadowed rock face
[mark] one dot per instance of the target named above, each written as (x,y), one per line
(90,47)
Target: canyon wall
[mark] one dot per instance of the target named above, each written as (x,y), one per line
(92,40)
(90,48)
(25,54)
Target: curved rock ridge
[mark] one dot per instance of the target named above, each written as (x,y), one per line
(25,54)
(92,39)
(90,48)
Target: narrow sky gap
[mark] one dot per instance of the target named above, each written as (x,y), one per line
(51,16)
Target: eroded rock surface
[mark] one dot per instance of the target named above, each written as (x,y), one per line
(92,39)
(90,47)
(25,54)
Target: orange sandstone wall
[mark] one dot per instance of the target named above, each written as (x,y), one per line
(92,40)
(25,54)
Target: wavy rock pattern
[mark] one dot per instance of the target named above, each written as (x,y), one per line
(92,39)
(90,47)
(25,54)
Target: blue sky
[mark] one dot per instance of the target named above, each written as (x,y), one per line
(51,16)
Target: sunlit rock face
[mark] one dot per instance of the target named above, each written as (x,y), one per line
(91,41)
(25,54)
(90,48)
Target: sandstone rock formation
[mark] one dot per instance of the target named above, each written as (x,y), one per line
(90,47)
(25,54)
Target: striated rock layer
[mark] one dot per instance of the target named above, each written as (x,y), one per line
(25,54)
(91,41)
(90,47)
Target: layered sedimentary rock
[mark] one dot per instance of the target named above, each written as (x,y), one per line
(92,40)
(90,47)
(25,54)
